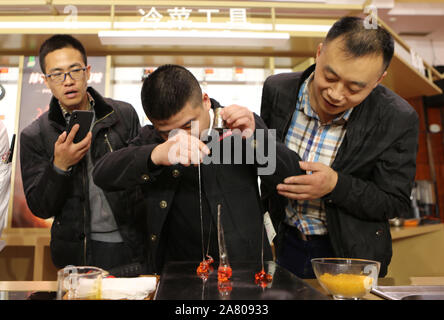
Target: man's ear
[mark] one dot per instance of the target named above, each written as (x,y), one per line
(206,102)
(380,79)
(318,51)
(88,72)
(44,80)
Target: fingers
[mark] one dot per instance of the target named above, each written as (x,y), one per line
(67,153)
(311,166)
(298,187)
(189,143)
(85,142)
(294,188)
(231,113)
(302,179)
(192,151)
(79,154)
(203,148)
(81,147)
(61,138)
(238,117)
(320,182)
(239,114)
(295,192)
(241,123)
(182,148)
(295,196)
(72,133)
(186,156)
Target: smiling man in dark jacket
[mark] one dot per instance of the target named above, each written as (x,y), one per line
(91,227)
(356,137)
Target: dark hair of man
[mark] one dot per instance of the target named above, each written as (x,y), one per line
(360,40)
(167,90)
(56,42)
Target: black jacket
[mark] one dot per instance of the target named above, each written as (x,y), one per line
(66,197)
(376,165)
(235,186)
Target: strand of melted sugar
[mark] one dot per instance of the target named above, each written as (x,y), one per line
(200,209)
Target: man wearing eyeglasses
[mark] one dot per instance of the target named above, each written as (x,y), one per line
(91,227)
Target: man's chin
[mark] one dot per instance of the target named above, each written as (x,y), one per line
(70,104)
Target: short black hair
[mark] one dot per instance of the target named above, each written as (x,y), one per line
(360,40)
(167,90)
(59,41)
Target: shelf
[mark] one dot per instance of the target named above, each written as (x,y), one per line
(405,232)
(408,82)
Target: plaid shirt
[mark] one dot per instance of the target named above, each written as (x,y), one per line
(314,142)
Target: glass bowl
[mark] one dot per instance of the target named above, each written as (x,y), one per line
(346,278)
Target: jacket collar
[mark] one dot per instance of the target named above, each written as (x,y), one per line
(290,97)
(101,108)
(305,75)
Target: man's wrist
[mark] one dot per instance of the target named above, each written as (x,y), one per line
(334,182)
(61,170)
(153,157)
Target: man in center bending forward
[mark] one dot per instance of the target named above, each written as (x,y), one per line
(163,162)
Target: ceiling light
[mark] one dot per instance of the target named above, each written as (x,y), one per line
(54,25)
(303,27)
(194,38)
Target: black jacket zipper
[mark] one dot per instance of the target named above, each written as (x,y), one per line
(108,143)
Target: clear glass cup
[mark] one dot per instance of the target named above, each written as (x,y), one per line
(80,283)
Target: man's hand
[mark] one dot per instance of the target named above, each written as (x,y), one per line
(182,148)
(66,152)
(237,117)
(311,186)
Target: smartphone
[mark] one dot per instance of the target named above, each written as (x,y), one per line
(84,119)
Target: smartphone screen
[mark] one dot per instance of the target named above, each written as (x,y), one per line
(84,119)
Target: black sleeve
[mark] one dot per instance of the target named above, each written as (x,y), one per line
(271,153)
(387,193)
(45,189)
(127,167)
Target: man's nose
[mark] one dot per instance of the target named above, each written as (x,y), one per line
(335,92)
(68,80)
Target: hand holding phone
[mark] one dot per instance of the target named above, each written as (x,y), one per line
(84,119)
(66,151)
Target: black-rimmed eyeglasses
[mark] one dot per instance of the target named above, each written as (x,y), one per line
(60,77)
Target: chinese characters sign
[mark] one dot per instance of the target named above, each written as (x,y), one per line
(180,17)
